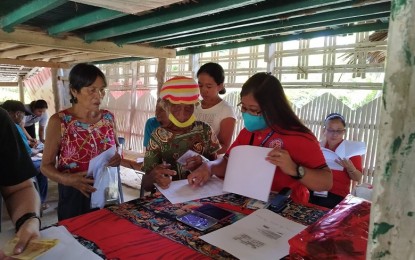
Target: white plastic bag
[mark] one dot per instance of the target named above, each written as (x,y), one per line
(363,191)
(106,183)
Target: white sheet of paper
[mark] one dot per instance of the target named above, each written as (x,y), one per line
(349,149)
(248,173)
(353,148)
(330,156)
(346,149)
(140,159)
(180,191)
(96,169)
(68,248)
(260,235)
(100,160)
(37,157)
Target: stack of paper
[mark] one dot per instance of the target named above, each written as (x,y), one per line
(260,235)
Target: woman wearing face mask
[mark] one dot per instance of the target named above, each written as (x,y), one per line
(270,122)
(179,96)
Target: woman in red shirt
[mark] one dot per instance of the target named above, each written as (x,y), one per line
(344,168)
(270,122)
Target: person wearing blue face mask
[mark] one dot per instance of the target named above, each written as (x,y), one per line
(270,122)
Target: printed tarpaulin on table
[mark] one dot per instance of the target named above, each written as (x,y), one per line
(341,234)
(159,215)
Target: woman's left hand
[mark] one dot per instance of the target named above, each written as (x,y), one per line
(199,176)
(28,231)
(346,163)
(282,159)
(115,160)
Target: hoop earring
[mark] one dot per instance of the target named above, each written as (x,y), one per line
(74,100)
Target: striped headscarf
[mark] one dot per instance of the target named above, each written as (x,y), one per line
(180,90)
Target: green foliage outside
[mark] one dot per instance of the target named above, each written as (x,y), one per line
(352,98)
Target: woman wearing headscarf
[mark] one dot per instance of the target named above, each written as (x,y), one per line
(179,96)
(345,168)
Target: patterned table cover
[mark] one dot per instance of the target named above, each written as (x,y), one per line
(156,213)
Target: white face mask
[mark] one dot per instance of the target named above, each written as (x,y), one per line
(177,123)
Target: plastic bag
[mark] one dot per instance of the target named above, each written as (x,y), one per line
(364,191)
(340,234)
(106,183)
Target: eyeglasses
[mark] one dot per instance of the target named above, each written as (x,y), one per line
(332,132)
(93,91)
(250,111)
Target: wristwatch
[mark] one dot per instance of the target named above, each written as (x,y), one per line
(300,172)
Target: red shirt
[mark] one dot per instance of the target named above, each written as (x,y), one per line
(303,148)
(341,179)
(81,142)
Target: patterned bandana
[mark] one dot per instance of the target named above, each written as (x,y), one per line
(180,90)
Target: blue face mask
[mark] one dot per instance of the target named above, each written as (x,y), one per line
(253,123)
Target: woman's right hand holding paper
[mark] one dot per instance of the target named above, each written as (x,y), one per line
(81,182)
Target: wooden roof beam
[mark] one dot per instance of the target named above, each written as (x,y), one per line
(95,17)
(49,54)
(27,12)
(30,63)
(269,29)
(83,57)
(26,37)
(12,54)
(279,38)
(172,14)
(9,84)
(254,13)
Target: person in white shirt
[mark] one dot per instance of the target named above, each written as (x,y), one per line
(35,113)
(213,109)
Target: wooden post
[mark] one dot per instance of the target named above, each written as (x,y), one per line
(269,57)
(161,74)
(56,92)
(392,225)
(21,90)
(134,88)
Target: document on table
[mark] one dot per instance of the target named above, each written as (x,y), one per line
(180,191)
(68,248)
(260,235)
(248,173)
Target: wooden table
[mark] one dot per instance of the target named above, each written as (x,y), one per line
(129,159)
